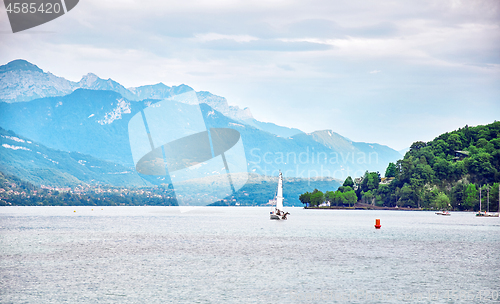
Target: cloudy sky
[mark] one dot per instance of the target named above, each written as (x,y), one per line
(385,71)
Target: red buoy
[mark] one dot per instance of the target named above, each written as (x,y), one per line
(377,224)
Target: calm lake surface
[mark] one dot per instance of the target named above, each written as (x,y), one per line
(238,255)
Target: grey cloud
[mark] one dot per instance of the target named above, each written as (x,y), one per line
(447,40)
(265,45)
(382,29)
(316,28)
(322,28)
(285,67)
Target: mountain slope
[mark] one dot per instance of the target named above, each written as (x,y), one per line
(96,123)
(87,121)
(21,80)
(372,156)
(332,140)
(40,165)
(272,128)
(37,164)
(92,82)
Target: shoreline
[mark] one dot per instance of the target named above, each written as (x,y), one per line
(359,206)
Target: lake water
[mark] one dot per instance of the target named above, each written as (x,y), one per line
(238,255)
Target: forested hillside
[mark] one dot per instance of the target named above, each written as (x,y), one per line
(448,172)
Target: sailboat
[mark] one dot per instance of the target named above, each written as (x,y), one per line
(277,212)
(488,213)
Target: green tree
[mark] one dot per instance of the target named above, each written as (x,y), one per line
(391,170)
(480,165)
(417,146)
(344,189)
(384,191)
(494,198)
(454,143)
(305,198)
(457,196)
(441,201)
(348,182)
(339,199)
(482,143)
(350,197)
(373,180)
(470,197)
(442,169)
(370,181)
(441,148)
(458,170)
(329,195)
(317,198)
(407,197)
(368,197)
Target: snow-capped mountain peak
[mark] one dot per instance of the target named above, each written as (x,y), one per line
(19,65)
(24,81)
(88,80)
(21,80)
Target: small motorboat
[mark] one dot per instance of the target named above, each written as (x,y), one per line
(445,212)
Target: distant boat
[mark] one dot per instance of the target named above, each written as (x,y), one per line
(443,213)
(277,213)
(488,213)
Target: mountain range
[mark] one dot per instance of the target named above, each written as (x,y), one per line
(91,117)
(32,162)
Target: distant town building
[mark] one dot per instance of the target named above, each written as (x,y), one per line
(386,180)
(357,182)
(460,155)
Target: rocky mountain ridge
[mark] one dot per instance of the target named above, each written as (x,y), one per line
(21,81)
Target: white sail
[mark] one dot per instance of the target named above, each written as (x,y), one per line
(279,194)
(277,213)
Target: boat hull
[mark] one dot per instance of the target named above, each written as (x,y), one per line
(443,213)
(486,214)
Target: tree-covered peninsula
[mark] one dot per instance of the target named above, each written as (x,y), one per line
(450,172)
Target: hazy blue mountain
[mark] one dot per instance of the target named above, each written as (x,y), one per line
(273,128)
(92,82)
(158,91)
(21,80)
(155,91)
(330,139)
(304,155)
(35,163)
(86,121)
(377,155)
(96,123)
(243,115)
